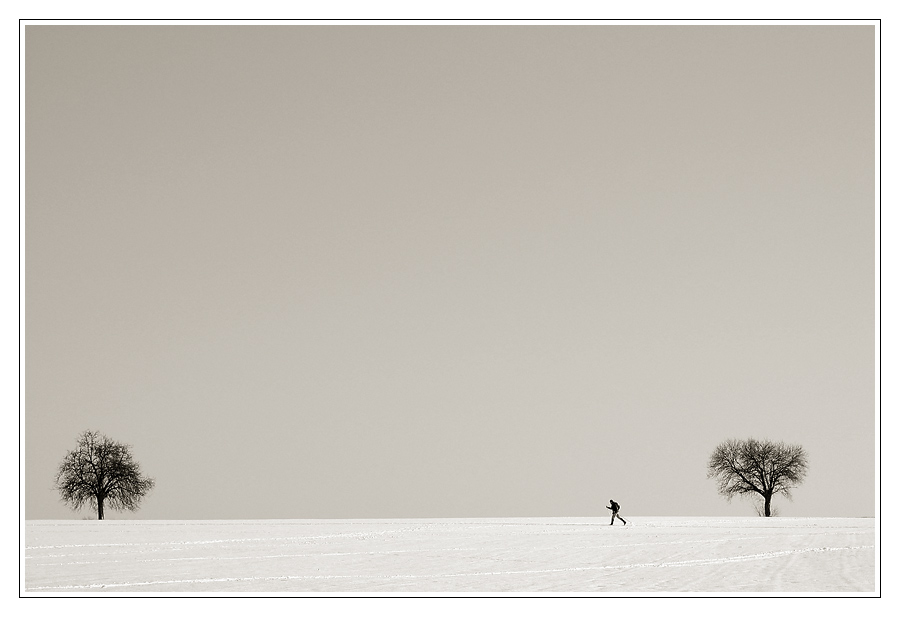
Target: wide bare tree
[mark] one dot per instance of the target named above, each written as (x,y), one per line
(752,467)
(101,471)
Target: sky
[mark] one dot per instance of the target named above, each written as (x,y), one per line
(450,271)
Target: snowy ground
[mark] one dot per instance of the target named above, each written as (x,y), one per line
(651,555)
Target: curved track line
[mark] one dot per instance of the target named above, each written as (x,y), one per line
(354,534)
(281,556)
(599,547)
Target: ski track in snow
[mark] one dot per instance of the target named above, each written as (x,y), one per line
(446,550)
(674,564)
(339,554)
(253,557)
(355,534)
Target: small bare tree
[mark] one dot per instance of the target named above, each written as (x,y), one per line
(100,470)
(752,467)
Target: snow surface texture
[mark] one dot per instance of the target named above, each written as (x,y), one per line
(509,555)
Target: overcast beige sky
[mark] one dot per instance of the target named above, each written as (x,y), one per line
(388,271)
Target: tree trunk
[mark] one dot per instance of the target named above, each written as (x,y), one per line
(100,508)
(768,505)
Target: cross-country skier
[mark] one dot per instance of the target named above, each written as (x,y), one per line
(615,512)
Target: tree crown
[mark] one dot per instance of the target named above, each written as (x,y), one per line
(748,466)
(101,470)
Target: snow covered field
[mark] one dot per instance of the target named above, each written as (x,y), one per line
(653,555)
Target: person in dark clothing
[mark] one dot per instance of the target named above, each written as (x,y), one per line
(615,512)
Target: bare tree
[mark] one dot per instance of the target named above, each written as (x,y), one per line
(100,470)
(752,467)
